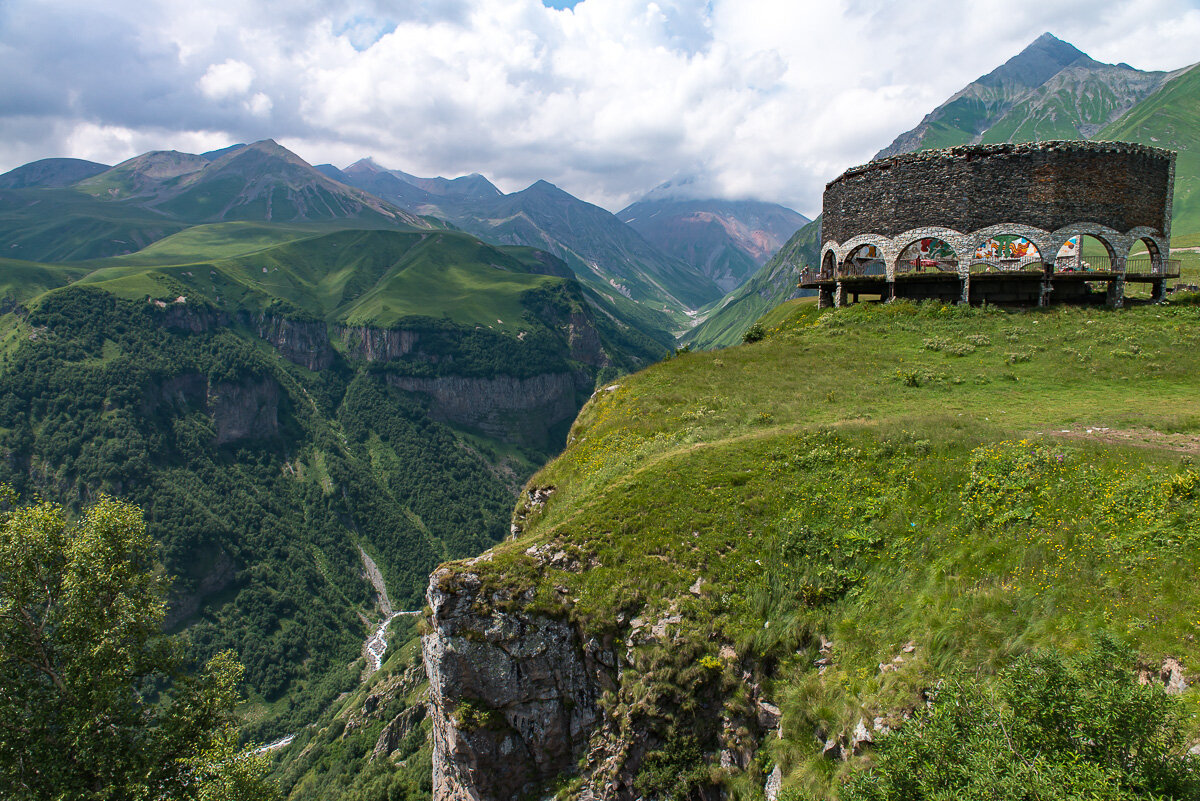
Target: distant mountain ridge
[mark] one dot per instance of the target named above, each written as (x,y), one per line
(1050,90)
(610,258)
(50,173)
(261,181)
(57,210)
(728,240)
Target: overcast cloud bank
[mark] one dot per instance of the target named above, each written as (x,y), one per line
(755,98)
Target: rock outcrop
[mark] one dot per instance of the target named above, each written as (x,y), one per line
(512,694)
(518,410)
(303,342)
(248,409)
(377,344)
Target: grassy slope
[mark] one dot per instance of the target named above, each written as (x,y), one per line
(216,241)
(850,478)
(360,277)
(64,225)
(22,280)
(1171,118)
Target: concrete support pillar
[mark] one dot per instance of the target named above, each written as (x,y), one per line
(1159,290)
(824,298)
(891,291)
(839,296)
(1044,290)
(965,294)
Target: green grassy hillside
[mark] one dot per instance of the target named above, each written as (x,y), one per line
(870,500)
(360,277)
(22,280)
(58,225)
(1171,118)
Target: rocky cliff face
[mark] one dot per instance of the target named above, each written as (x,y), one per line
(377,344)
(301,342)
(248,409)
(584,341)
(513,695)
(519,410)
(245,409)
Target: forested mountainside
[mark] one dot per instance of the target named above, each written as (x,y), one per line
(759,567)
(298,419)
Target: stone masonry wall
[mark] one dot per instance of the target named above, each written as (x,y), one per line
(1048,185)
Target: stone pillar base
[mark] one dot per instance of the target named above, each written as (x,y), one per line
(839,296)
(1159,293)
(1115,296)
(965,296)
(824,299)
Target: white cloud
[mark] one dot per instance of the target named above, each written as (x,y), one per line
(767,98)
(229,79)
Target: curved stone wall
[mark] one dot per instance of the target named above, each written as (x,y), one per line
(1047,185)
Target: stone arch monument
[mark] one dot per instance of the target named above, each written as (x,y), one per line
(988,223)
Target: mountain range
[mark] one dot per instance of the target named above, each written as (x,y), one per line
(319,383)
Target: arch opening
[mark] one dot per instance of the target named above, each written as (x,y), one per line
(828,266)
(1085,253)
(1007,253)
(863,260)
(1145,258)
(927,255)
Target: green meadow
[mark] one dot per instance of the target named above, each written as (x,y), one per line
(928,489)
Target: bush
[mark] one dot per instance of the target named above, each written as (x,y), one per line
(754,333)
(1050,728)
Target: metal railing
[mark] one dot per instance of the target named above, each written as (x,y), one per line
(874,267)
(1151,266)
(991,264)
(927,266)
(1075,264)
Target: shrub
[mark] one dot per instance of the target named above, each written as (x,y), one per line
(1050,728)
(754,333)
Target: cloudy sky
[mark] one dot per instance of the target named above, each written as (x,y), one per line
(608,98)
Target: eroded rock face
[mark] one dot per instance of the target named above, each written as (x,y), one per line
(511,695)
(301,342)
(245,410)
(378,344)
(512,409)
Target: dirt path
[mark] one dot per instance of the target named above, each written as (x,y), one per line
(1136,437)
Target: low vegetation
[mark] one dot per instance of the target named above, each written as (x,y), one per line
(868,502)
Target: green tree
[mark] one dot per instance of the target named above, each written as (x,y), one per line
(1049,728)
(83,661)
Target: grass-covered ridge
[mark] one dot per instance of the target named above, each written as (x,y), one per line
(975,483)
